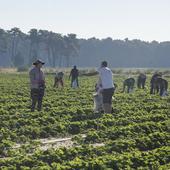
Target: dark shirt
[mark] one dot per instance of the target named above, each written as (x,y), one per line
(74,73)
(154,77)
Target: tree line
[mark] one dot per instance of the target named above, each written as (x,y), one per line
(57,50)
(18,48)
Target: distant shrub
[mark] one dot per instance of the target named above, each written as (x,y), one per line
(22,68)
(166,72)
(88,72)
(117,71)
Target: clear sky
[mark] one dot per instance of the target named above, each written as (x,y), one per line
(136,19)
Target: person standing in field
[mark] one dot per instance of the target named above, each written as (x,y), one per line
(74,77)
(37,81)
(107,85)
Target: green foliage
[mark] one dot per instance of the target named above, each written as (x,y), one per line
(135,136)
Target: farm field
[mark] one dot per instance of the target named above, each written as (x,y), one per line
(135,136)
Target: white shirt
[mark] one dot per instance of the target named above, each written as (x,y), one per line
(106,77)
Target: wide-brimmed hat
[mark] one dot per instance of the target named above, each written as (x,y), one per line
(38,62)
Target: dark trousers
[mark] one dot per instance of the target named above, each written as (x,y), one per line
(141,84)
(74,79)
(107,95)
(37,97)
(154,89)
(162,89)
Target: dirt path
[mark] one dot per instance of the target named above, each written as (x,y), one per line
(48,143)
(57,142)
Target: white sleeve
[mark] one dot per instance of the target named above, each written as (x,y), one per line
(111,72)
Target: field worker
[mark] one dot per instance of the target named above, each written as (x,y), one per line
(37,81)
(74,77)
(106,81)
(153,83)
(59,79)
(129,83)
(141,80)
(163,86)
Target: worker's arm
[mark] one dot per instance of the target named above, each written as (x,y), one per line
(70,74)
